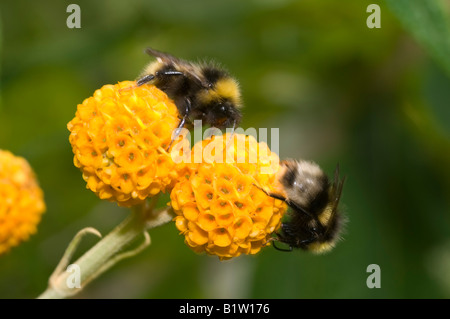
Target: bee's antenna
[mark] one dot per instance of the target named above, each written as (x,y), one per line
(145,79)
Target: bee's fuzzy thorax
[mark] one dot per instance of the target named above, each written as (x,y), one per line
(304,182)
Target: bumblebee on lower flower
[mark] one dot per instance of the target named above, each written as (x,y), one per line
(315,222)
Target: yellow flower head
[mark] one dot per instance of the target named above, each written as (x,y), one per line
(220,207)
(21,201)
(119,137)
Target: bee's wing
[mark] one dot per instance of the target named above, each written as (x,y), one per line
(162,56)
(167,58)
(338,185)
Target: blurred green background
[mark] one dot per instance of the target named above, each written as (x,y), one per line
(374,100)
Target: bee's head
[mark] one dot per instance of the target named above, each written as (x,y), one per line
(223,114)
(221,99)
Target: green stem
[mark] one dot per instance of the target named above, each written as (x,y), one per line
(108,251)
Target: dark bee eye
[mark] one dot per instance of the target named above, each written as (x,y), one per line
(222,107)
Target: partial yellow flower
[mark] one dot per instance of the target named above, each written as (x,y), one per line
(119,137)
(21,201)
(220,207)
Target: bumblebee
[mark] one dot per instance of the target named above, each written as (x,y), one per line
(314,221)
(200,91)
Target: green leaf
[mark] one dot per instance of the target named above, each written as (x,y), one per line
(428,22)
(1,47)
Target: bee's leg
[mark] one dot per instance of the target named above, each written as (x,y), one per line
(289,203)
(231,135)
(177,131)
(182,122)
(278,248)
(273,195)
(313,238)
(282,249)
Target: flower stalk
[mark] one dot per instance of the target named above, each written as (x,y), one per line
(107,252)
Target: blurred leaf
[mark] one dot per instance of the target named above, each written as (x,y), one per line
(428,23)
(1,47)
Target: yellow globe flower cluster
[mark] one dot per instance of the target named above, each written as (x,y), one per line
(120,138)
(220,208)
(21,201)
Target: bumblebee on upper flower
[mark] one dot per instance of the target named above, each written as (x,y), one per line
(201,91)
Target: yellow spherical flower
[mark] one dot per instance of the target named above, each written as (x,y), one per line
(120,136)
(21,201)
(220,207)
